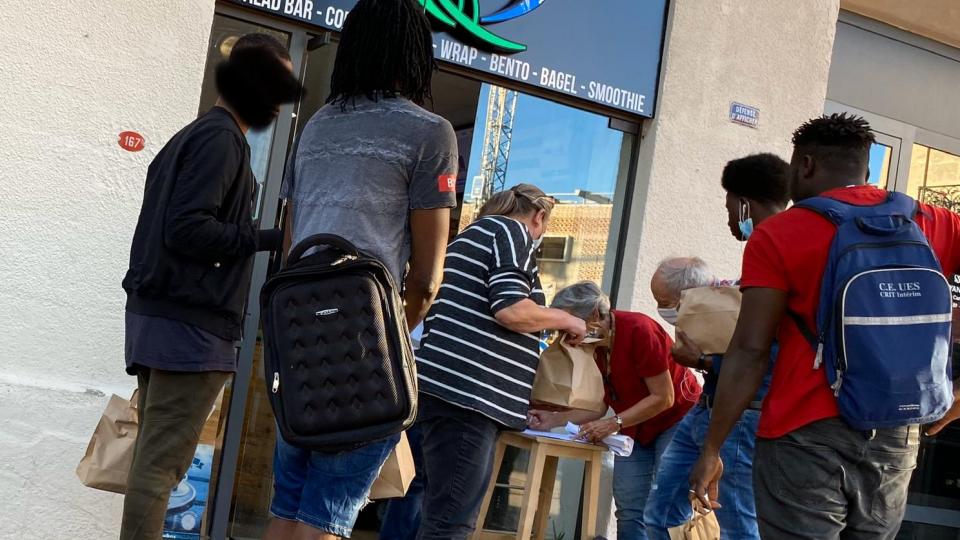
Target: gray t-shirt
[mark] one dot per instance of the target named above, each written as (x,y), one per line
(359,171)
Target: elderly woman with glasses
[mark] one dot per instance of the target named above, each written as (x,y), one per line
(479,353)
(648,392)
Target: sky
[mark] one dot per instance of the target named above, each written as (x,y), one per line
(558,148)
(879,156)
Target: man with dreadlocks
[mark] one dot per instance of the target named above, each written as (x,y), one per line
(814,475)
(373,167)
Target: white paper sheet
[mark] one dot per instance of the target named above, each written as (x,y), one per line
(620,445)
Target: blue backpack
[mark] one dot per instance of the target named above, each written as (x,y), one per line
(884,316)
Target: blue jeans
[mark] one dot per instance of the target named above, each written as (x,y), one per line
(634,478)
(401,517)
(670,504)
(458,446)
(325,491)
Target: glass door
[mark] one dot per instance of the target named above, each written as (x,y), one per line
(926,166)
(253,483)
(934,503)
(576,157)
(190,510)
(884,161)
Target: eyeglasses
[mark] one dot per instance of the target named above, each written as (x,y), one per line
(550,200)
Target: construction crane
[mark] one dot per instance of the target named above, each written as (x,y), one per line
(497,136)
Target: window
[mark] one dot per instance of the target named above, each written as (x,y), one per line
(880,155)
(570,154)
(574,156)
(935,177)
(555,249)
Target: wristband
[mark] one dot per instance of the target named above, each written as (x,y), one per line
(702,362)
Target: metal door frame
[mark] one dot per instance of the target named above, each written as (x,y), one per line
(220,505)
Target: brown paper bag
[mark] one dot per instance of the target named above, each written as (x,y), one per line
(708,316)
(700,526)
(568,377)
(397,472)
(110,453)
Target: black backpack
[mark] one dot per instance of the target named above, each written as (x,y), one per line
(338,360)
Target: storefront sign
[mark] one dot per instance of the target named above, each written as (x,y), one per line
(744,115)
(601,52)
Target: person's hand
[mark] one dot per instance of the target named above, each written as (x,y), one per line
(598,430)
(952,414)
(705,479)
(541,420)
(685,352)
(575,330)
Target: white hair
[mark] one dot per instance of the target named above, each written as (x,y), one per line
(682,273)
(582,300)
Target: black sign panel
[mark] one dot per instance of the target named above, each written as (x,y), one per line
(599,51)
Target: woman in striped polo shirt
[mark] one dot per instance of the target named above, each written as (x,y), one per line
(479,354)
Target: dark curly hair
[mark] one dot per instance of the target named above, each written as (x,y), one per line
(254,81)
(762,177)
(386,50)
(838,140)
(262,41)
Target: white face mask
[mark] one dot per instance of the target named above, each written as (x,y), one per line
(537,242)
(746,222)
(669,314)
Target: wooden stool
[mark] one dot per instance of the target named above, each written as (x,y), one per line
(541,475)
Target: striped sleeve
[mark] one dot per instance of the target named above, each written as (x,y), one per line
(510,279)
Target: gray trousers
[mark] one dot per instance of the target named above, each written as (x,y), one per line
(828,481)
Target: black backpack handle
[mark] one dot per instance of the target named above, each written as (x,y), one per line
(883,225)
(319,240)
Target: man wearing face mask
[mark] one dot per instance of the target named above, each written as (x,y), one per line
(757,188)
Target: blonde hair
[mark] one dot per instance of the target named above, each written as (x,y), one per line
(518,201)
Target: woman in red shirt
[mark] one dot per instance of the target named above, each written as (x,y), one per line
(648,392)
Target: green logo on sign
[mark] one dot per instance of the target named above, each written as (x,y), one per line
(464,16)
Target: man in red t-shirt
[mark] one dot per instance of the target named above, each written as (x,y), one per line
(814,476)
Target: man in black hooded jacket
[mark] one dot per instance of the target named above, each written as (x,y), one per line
(190,267)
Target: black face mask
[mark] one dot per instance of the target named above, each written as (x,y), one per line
(254,83)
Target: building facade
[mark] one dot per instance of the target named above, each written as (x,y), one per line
(630,132)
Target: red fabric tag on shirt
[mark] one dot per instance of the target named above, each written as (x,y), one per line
(447,183)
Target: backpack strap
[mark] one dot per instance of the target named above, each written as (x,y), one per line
(806,331)
(839,212)
(903,204)
(832,210)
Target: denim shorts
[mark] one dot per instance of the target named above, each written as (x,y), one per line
(325,491)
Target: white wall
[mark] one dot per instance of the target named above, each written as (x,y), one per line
(73,75)
(770,55)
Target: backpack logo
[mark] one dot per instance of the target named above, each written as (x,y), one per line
(327,312)
(900,290)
